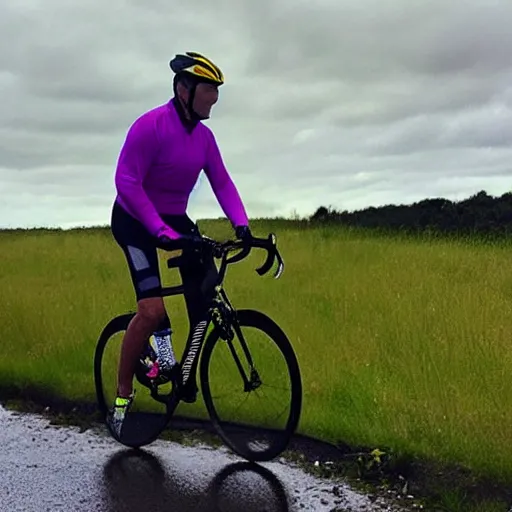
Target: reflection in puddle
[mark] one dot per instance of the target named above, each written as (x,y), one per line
(137,480)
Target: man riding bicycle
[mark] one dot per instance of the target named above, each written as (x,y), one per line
(164,152)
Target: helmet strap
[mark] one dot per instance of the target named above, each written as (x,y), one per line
(191,85)
(190,103)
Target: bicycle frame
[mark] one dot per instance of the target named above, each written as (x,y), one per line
(220,310)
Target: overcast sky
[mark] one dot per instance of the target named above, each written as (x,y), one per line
(337,103)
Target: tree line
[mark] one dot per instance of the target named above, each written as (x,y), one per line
(480,213)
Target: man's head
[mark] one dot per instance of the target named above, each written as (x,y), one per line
(196,83)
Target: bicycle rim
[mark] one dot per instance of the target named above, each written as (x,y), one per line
(147,417)
(257,424)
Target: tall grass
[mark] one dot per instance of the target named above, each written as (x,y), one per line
(403,342)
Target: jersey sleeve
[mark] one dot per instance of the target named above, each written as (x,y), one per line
(222,185)
(135,159)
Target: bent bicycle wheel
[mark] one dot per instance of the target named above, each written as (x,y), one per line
(252,386)
(148,416)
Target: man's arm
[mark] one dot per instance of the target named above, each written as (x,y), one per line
(135,158)
(222,185)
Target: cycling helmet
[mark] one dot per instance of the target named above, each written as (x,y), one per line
(200,67)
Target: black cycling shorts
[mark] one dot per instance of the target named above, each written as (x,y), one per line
(139,247)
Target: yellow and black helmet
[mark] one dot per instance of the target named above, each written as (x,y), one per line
(197,65)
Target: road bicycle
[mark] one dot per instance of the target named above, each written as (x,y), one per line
(221,341)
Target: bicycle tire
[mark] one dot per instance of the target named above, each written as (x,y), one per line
(113,327)
(258,320)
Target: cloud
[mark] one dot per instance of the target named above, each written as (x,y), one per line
(349,104)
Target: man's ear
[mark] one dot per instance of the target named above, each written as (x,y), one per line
(182,91)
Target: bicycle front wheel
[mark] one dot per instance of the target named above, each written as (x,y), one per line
(252,386)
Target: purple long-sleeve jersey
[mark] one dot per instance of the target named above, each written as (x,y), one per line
(159,164)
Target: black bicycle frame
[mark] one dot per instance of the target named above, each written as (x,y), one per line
(211,284)
(212,288)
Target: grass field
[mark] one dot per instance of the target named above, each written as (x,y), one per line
(403,342)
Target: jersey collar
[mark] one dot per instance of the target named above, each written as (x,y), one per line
(187,123)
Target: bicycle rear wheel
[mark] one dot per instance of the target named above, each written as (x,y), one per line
(253,413)
(148,416)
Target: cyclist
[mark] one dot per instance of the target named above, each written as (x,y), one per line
(163,154)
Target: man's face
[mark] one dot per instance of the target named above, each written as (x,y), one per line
(205,97)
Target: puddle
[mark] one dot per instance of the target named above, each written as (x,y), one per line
(48,468)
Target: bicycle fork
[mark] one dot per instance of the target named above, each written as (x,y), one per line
(253,381)
(225,321)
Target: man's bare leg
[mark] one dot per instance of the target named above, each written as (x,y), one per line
(150,312)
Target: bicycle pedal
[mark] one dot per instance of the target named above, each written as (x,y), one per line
(154,371)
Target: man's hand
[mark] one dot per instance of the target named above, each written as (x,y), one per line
(184,241)
(243,233)
(191,240)
(167,243)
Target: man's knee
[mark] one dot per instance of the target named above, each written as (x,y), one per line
(151,311)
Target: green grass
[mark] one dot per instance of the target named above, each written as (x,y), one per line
(403,342)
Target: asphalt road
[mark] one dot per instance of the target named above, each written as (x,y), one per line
(50,468)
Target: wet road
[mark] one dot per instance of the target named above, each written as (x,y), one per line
(49,468)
